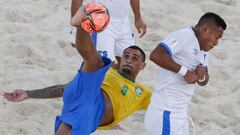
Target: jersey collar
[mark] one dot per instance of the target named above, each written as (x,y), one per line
(123,75)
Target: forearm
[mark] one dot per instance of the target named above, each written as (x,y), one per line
(85,45)
(75,5)
(161,57)
(49,92)
(135,4)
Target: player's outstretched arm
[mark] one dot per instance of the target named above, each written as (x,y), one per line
(49,92)
(84,45)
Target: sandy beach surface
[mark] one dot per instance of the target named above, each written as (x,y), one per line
(35,53)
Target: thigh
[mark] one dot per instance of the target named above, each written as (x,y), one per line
(125,39)
(64,129)
(153,121)
(105,42)
(85,86)
(179,124)
(83,104)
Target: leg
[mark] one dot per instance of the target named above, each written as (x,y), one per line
(179,124)
(125,39)
(105,42)
(82,118)
(153,121)
(119,48)
(64,129)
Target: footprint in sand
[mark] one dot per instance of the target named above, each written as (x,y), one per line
(28,108)
(220,55)
(223,75)
(24,15)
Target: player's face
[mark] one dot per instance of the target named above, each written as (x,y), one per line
(210,36)
(131,62)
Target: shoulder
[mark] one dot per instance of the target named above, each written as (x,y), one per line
(185,36)
(179,36)
(183,33)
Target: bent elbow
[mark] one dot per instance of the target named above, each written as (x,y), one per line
(152,57)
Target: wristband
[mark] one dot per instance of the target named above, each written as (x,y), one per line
(202,80)
(183,71)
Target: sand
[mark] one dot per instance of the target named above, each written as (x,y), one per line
(35,53)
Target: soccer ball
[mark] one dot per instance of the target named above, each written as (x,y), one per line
(95,18)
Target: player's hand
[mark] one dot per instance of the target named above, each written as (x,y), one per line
(191,77)
(16,96)
(141,27)
(201,71)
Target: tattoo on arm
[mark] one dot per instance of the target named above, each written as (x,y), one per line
(49,92)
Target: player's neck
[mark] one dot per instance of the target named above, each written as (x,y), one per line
(127,76)
(196,31)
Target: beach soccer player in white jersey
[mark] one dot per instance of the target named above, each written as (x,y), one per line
(182,59)
(118,35)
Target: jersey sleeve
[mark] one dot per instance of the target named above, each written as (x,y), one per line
(171,44)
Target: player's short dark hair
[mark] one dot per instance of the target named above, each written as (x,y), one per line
(210,17)
(139,49)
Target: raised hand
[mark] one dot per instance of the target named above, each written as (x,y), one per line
(16,96)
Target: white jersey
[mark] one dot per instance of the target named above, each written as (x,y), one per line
(118,9)
(171,91)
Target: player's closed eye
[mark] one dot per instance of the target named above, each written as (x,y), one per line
(126,56)
(135,58)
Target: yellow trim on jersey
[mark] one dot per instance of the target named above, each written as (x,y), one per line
(126,96)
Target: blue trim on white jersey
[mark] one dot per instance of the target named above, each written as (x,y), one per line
(205,56)
(94,38)
(166,123)
(166,47)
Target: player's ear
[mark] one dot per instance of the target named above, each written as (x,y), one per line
(203,28)
(143,65)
